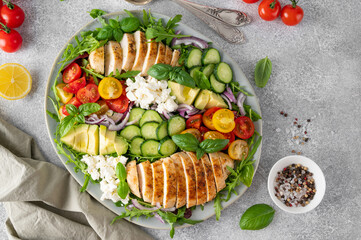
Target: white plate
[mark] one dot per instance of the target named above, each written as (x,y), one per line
(93,189)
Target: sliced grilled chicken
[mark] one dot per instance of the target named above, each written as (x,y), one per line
(158,182)
(181,181)
(161,53)
(170,183)
(113,58)
(132,178)
(141,48)
(152,51)
(190,179)
(225,161)
(217,171)
(168,55)
(175,58)
(211,185)
(96,60)
(146,180)
(128,46)
(201,185)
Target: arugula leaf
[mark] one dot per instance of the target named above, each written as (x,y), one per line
(218,205)
(172,23)
(254,148)
(213,145)
(94,13)
(86,182)
(236,88)
(129,13)
(251,114)
(126,75)
(186,142)
(92,72)
(262,72)
(53,115)
(257,217)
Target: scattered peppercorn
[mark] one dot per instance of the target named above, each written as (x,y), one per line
(281,112)
(286,115)
(299,126)
(308,120)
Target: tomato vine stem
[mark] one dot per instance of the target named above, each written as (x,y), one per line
(5,28)
(9,4)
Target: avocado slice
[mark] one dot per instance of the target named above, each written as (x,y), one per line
(81,138)
(102,141)
(109,141)
(202,99)
(120,145)
(215,100)
(69,138)
(93,135)
(182,93)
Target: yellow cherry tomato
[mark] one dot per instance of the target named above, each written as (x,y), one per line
(223,120)
(110,88)
(195,132)
(238,150)
(63,95)
(213,135)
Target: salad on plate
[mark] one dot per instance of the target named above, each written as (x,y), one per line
(154,117)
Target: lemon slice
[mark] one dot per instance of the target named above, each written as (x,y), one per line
(15,81)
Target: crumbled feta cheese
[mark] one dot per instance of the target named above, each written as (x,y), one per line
(103,168)
(146,92)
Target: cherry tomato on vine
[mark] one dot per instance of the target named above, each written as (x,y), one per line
(10,39)
(292,14)
(250,1)
(12,15)
(269,10)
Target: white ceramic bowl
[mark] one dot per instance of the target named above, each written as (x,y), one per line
(318,176)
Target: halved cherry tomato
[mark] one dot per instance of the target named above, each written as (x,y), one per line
(63,112)
(74,86)
(207,117)
(89,78)
(213,135)
(194,122)
(75,102)
(103,108)
(71,73)
(269,10)
(244,127)
(62,94)
(88,94)
(203,130)
(110,88)
(231,137)
(223,120)
(119,105)
(238,150)
(250,1)
(195,132)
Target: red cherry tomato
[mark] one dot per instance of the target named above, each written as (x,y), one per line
(291,14)
(119,105)
(88,94)
(231,137)
(10,39)
(244,127)
(74,86)
(207,117)
(63,111)
(250,1)
(1,4)
(12,15)
(269,10)
(194,121)
(74,101)
(203,130)
(71,73)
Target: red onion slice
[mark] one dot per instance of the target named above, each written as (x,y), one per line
(197,42)
(185,106)
(228,92)
(227,100)
(240,100)
(141,207)
(156,215)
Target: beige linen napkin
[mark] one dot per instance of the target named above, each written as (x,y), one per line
(43,201)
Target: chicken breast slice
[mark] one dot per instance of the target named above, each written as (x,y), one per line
(113,58)
(175,58)
(128,47)
(146,180)
(158,182)
(170,183)
(161,53)
(201,185)
(181,181)
(141,50)
(190,179)
(96,60)
(211,185)
(225,161)
(132,178)
(217,171)
(152,51)
(168,55)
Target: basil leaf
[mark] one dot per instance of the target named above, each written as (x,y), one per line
(160,71)
(71,109)
(65,125)
(172,23)
(257,217)
(80,118)
(105,33)
(213,145)
(262,72)
(88,108)
(120,172)
(123,189)
(182,77)
(128,74)
(200,152)
(114,23)
(247,175)
(94,13)
(186,142)
(201,80)
(118,34)
(130,24)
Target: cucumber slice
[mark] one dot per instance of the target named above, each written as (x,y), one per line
(191,72)
(176,125)
(223,72)
(149,148)
(167,147)
(135,145)
(149,130)
(129,132)
(211,55)
(135,115)
(194,58)
(217,87)
(208,70)
(150,116)
(162,130)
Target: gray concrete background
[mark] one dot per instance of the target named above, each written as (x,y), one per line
(316,74)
